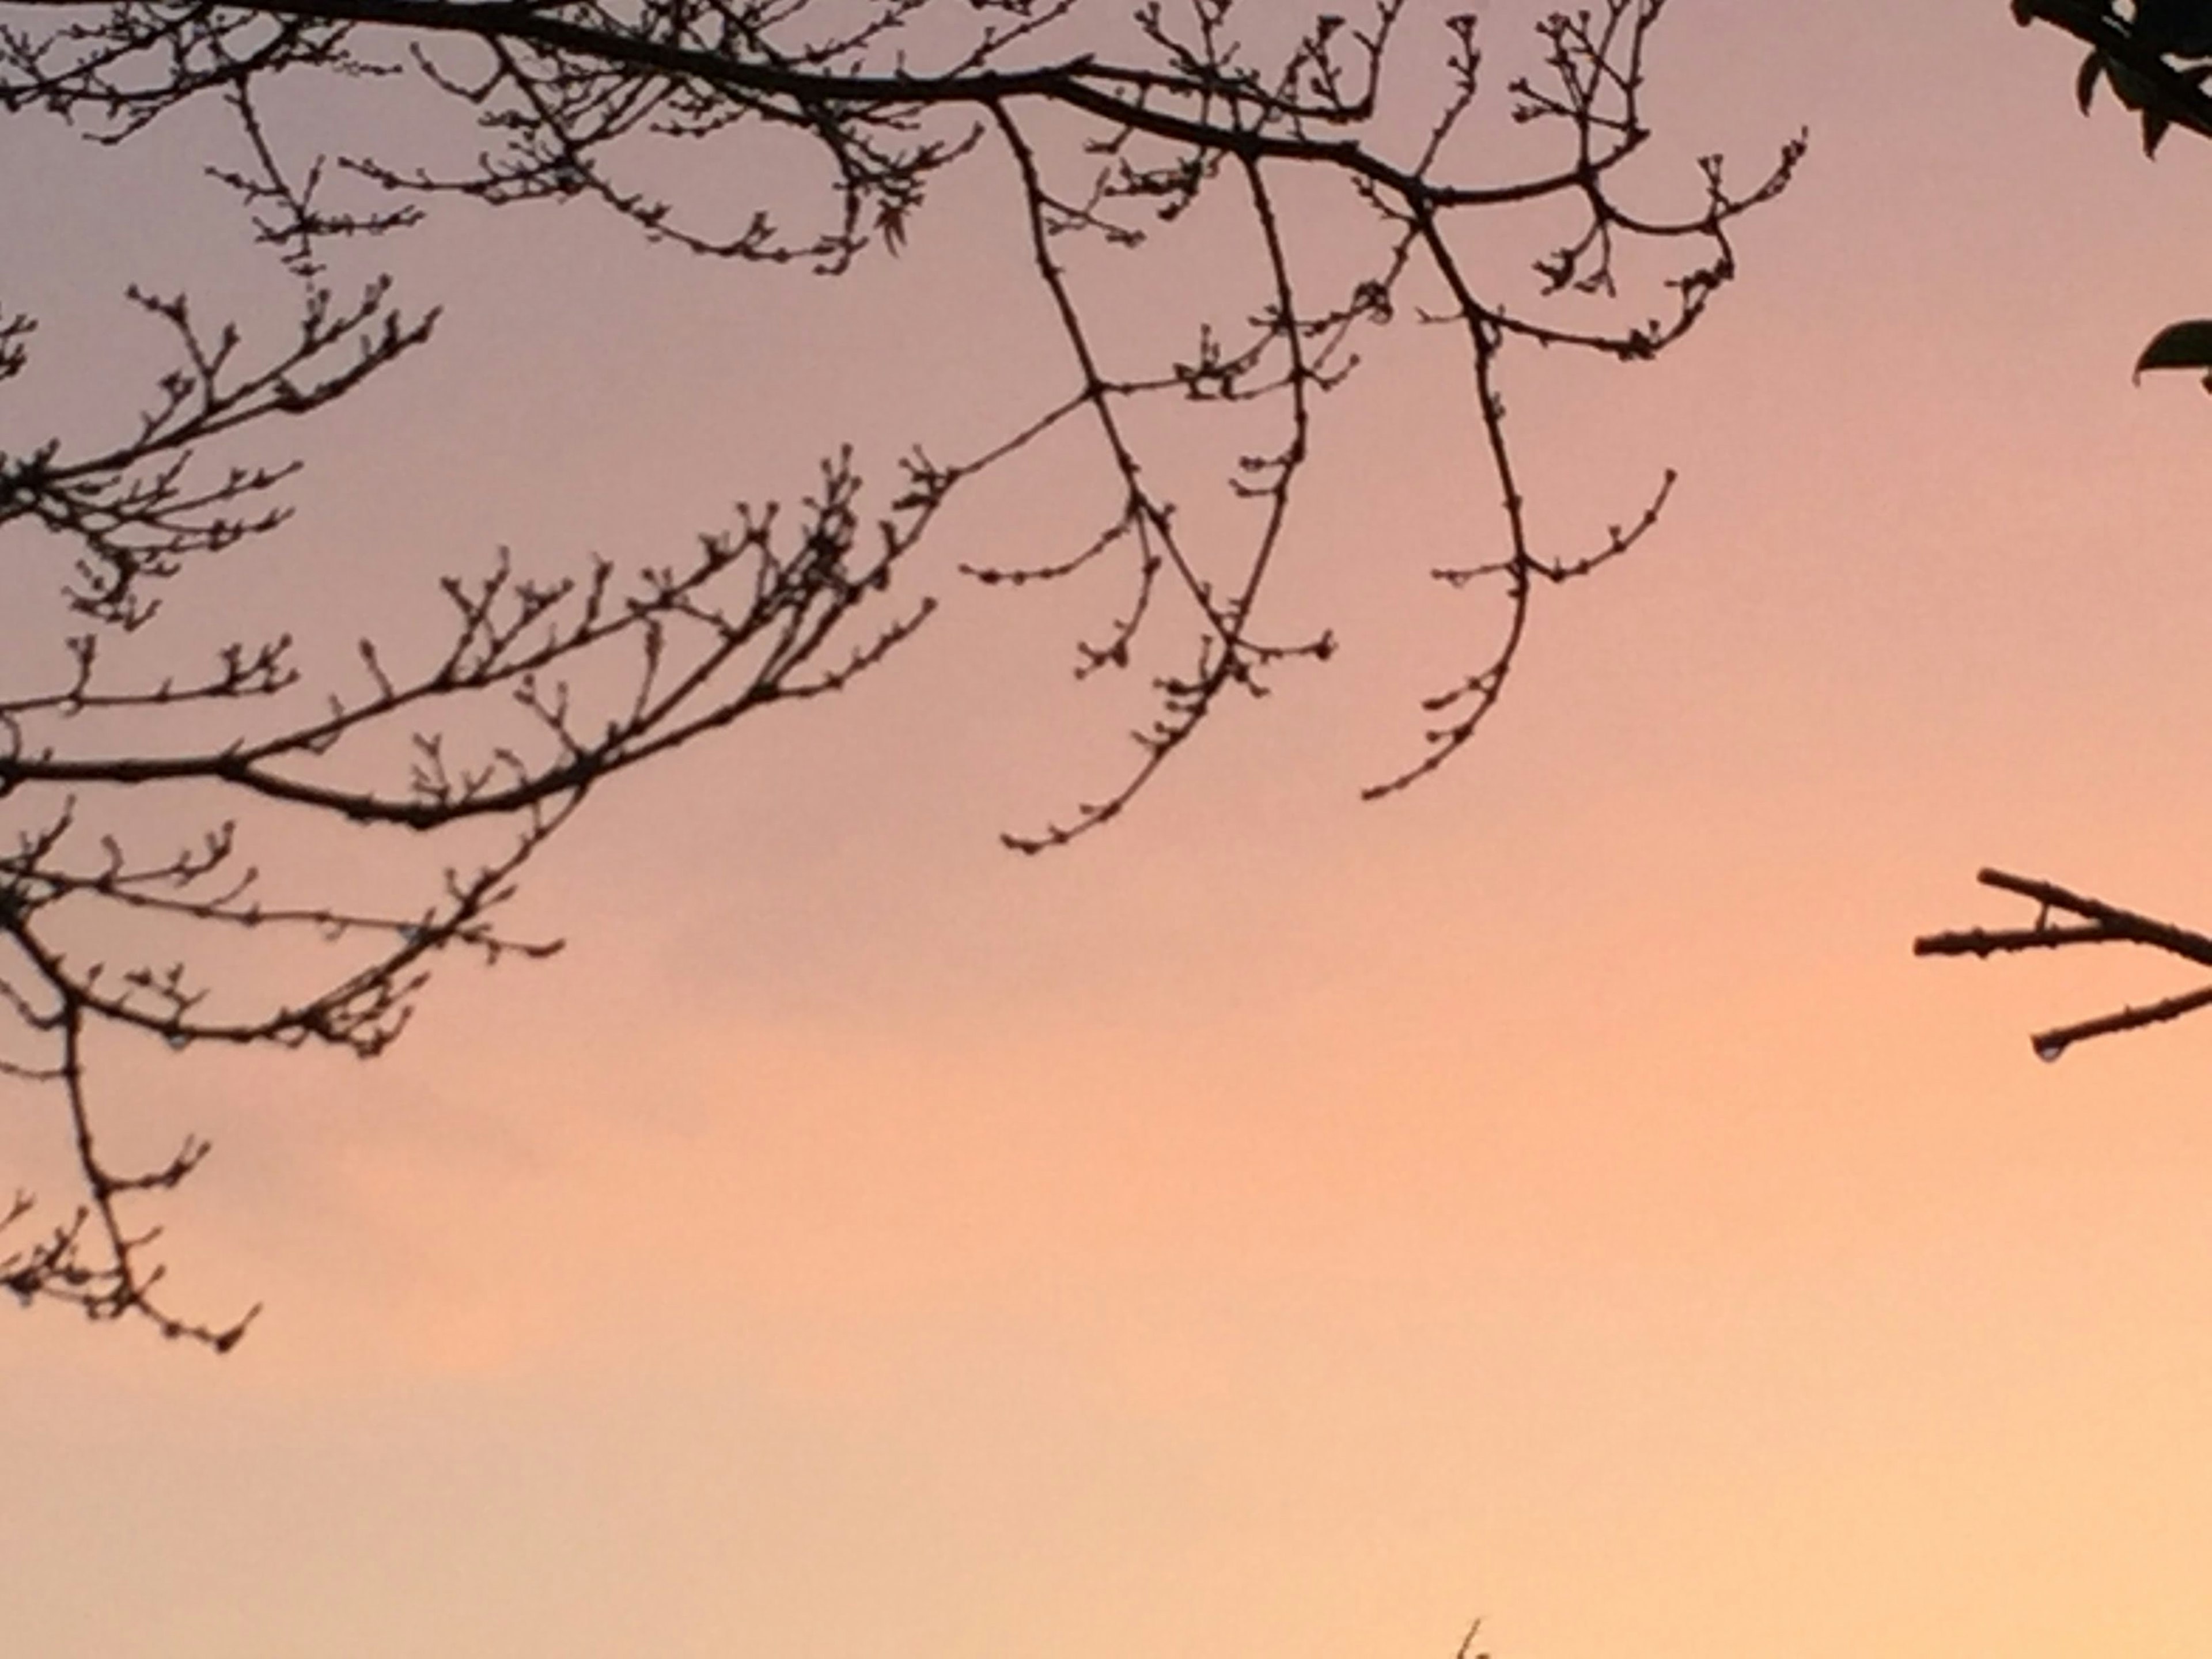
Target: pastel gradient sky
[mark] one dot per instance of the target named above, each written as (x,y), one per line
(1277,1227)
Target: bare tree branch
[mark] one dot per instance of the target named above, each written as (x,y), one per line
(2097,923)
(1109,129)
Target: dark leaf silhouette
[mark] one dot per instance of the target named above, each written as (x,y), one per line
(2178,345)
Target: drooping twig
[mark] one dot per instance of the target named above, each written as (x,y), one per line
(524,695)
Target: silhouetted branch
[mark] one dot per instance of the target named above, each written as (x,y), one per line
(1109,129)
(2099,923)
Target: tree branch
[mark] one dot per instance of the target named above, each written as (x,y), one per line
(533,693)
(2099,923)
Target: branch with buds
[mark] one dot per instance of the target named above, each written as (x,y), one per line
(835,120)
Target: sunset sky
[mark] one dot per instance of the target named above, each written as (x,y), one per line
(1278,1227)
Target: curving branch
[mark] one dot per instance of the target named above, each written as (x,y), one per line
(482,737)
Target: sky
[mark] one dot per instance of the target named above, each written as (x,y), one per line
(1280,1226)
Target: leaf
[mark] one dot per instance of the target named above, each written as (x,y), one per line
(2178,345)
(2085,83)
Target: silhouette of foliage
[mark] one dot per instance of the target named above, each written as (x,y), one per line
(1109,127)
(2156,55)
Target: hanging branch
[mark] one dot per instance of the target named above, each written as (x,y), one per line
(523,695)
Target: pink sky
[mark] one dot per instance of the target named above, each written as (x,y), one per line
(1277,1227)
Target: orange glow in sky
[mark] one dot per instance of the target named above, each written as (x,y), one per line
(1278,1227)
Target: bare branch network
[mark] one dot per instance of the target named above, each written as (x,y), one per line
(1109,127)
(2156,56)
